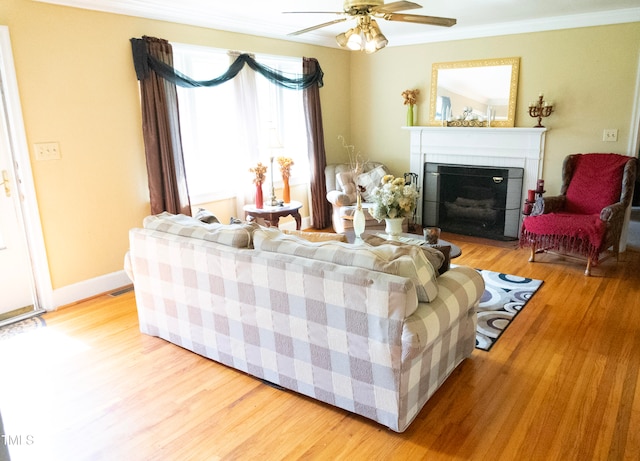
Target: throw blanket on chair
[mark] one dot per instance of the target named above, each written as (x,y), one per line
(596,183)
(575,233)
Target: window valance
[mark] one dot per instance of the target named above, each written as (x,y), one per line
(144,62)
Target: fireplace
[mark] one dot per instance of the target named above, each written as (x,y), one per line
(501,148)
(473,200)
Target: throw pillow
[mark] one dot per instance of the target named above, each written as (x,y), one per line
(368,181)
(316,236)
(233,235)
(347,185)
(446,251)
(436,257)
(206,216)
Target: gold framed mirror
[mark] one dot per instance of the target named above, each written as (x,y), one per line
(474,91)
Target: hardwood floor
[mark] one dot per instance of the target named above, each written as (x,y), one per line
(562,383)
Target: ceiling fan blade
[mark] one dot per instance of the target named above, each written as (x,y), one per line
(325,24)
(415,18)
(313,12)
(396,6)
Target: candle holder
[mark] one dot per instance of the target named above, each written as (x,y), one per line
(540,109)
(531,203)
(273,200)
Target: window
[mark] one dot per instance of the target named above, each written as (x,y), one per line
(222,138)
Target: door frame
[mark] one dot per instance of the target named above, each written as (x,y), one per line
(634,129)
(22,169)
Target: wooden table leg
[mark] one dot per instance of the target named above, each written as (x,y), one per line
(298,218)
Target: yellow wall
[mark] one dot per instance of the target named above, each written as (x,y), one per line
(78,88)
(590,74)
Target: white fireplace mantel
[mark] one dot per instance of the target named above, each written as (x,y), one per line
(500,147)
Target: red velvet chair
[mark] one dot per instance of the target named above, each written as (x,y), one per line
(586,219)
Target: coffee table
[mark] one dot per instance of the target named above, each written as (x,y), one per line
(272,214)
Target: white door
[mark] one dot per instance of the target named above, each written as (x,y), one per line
(16,274)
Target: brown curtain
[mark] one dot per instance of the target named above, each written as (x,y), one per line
(320,206)
(162,140)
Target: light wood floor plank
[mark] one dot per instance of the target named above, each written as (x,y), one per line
(562,383)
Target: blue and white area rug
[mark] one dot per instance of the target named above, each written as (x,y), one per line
(504,297)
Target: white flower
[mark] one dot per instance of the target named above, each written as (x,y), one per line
(393,199)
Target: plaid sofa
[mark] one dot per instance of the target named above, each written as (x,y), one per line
(348,330)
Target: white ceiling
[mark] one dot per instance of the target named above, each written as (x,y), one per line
(476,18)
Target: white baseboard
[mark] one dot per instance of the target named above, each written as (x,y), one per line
(89,288)
(109,282)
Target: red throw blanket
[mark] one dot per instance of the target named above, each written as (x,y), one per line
(575,233)
(596,182)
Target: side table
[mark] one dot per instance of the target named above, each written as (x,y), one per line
(272,214)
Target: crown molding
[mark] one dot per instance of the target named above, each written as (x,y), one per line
(181,13)
(522,27)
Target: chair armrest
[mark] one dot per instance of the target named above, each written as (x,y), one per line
(338,198)
(553,203)
(613,212)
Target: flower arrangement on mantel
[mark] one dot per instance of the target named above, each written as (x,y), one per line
(410,99)
(259,170)
(393,199)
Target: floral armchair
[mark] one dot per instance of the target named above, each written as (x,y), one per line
(342,184)
(588,216)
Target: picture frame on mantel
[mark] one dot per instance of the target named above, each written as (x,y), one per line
(475,93)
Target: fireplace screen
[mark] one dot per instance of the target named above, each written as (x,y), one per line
(473,200)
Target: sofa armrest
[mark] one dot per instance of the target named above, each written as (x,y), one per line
(338,198)
(459,291)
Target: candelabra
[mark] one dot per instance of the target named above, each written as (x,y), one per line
(539,109)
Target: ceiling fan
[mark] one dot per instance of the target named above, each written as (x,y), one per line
(366,35)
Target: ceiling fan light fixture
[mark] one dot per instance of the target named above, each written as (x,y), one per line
(355,39)
(343,38)
(375,39)
(350,39)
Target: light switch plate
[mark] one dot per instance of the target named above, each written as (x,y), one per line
(610,135)
(47,151)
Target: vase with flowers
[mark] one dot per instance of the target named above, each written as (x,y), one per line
(410,100)
(285,169)
(259,171)
(393,200)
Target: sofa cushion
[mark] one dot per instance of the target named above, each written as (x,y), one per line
(368,181)
(409,262)
(346,183)
(233,235)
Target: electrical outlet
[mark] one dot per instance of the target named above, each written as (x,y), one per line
(47,151)
(610,135)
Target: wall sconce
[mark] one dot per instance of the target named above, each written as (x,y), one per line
(539,109)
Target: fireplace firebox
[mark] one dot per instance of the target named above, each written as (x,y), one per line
(481,201)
